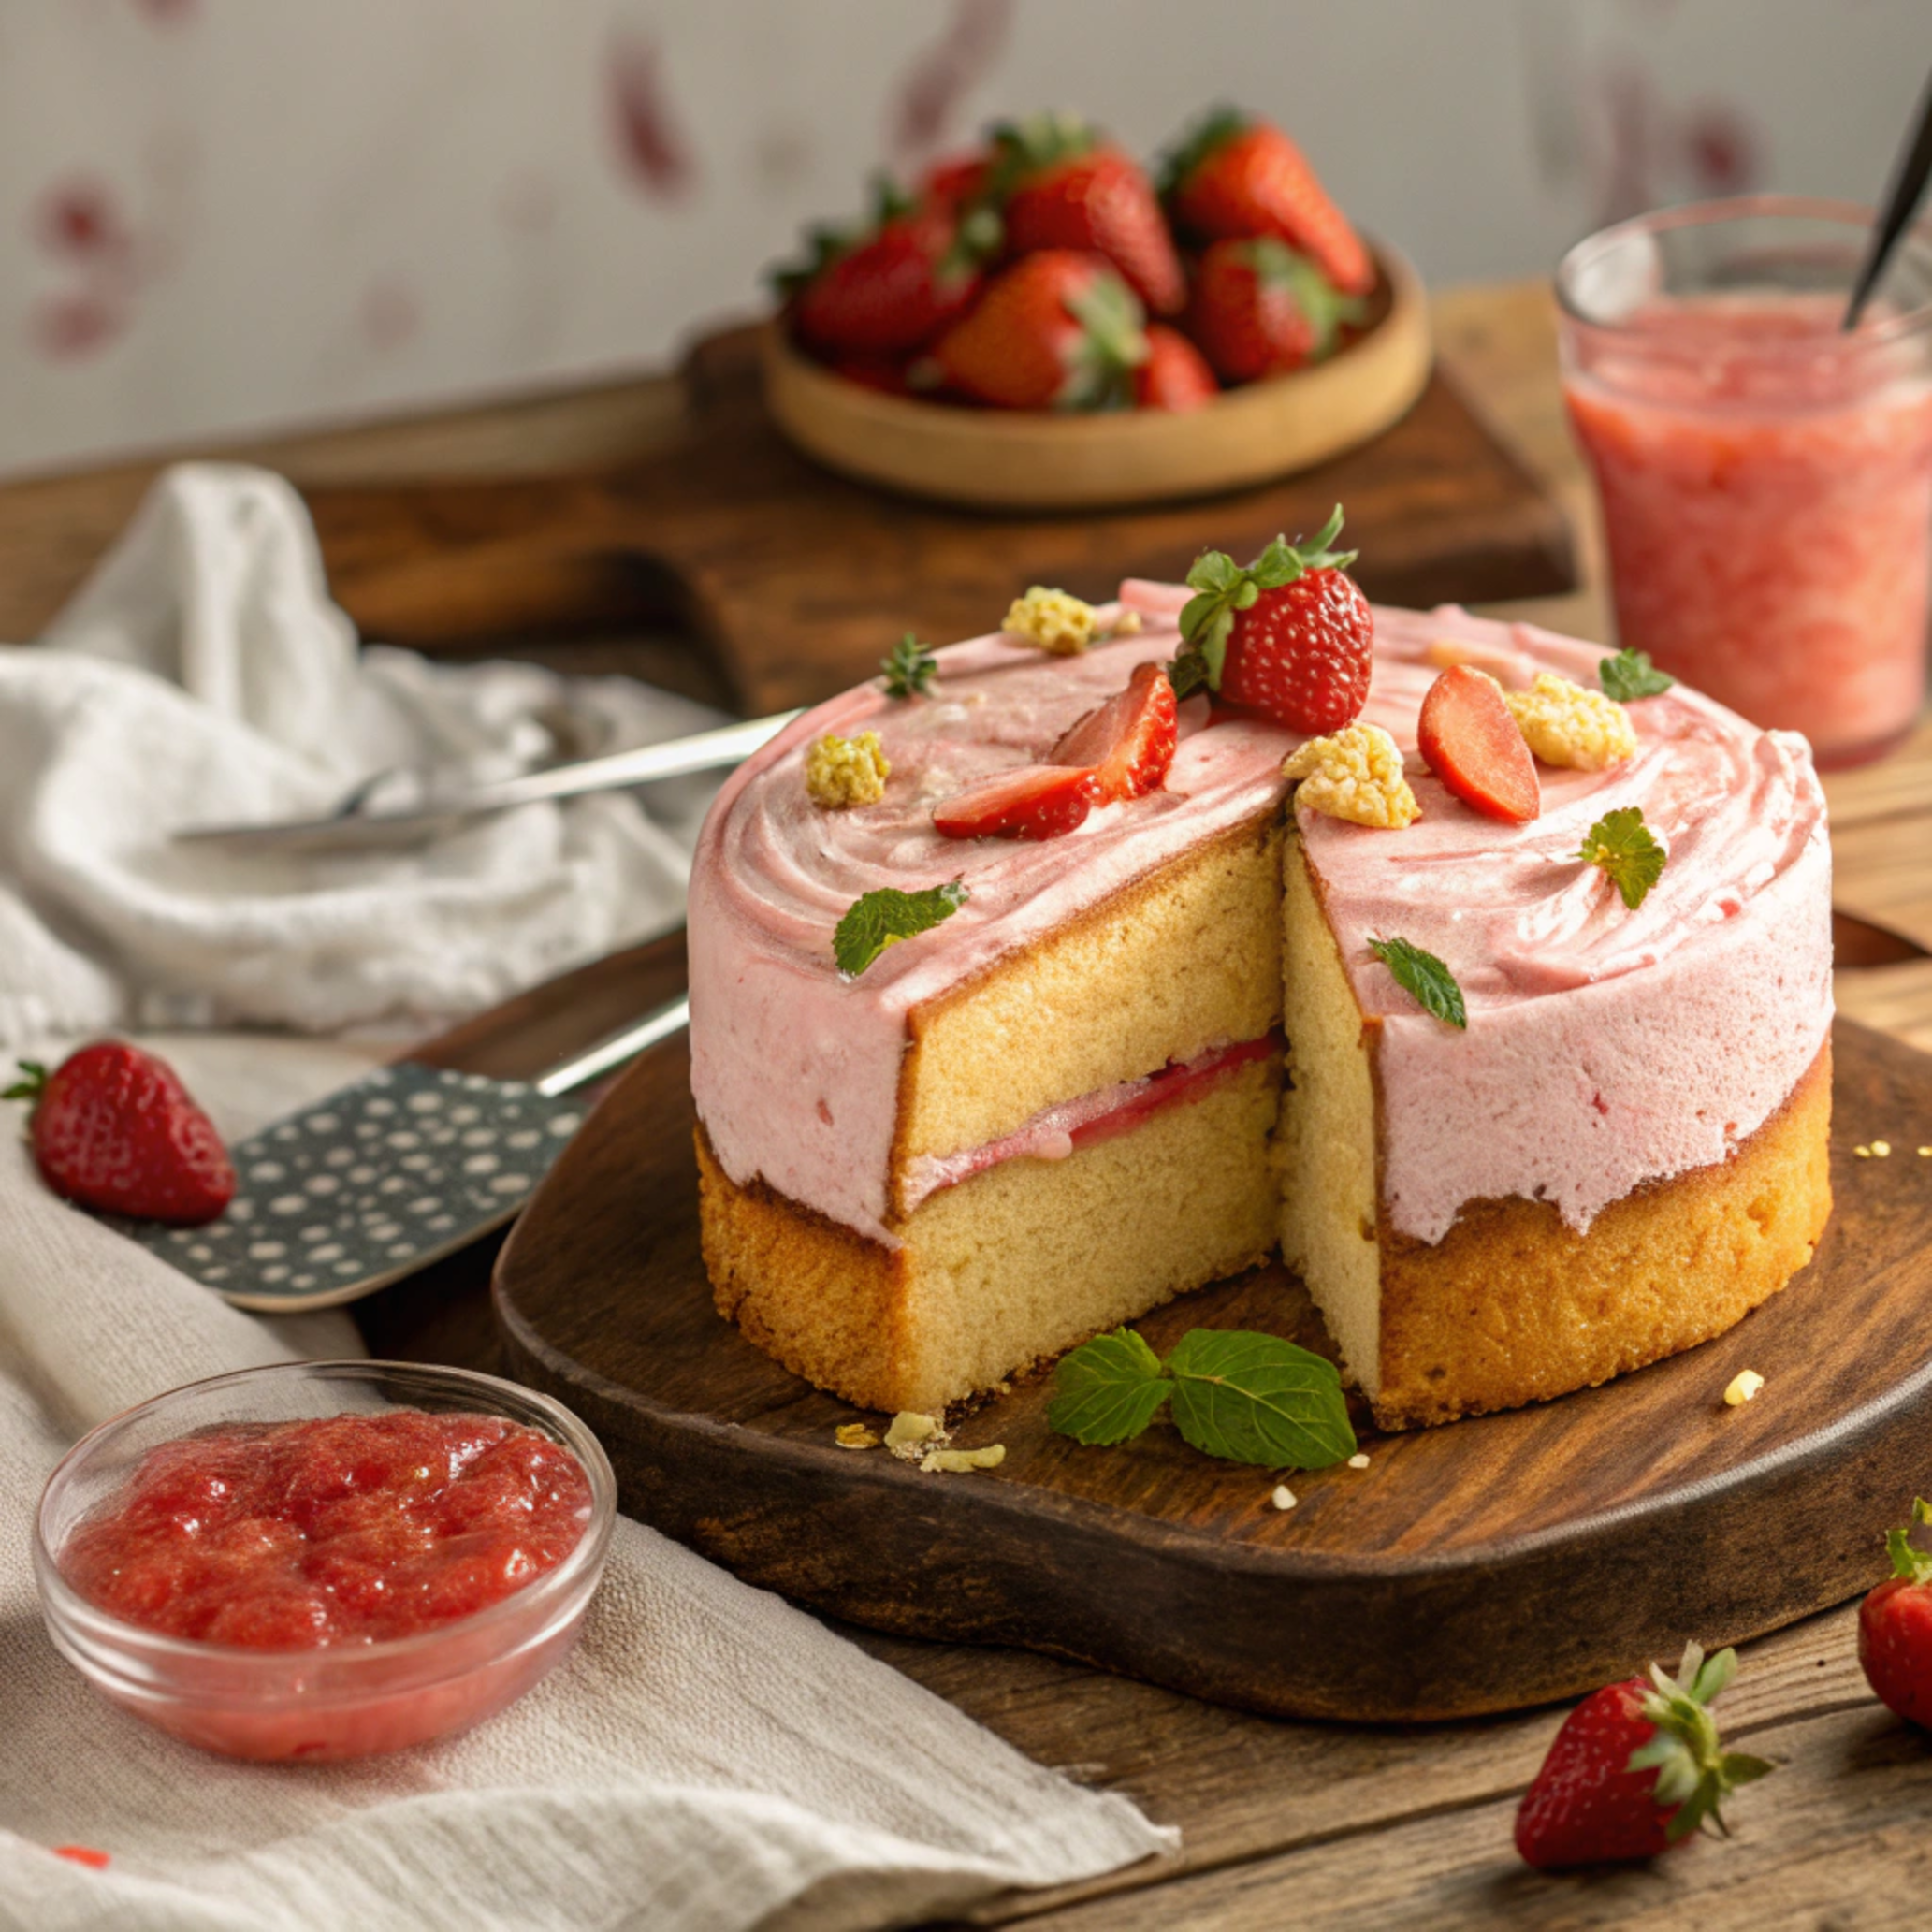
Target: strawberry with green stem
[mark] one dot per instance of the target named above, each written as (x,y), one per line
(1637,1768)
(1234,176)
(1894,1627)
(1258,309)
(885,290)
(113,1129)
(1289,634)
(1055,182)
(1055,331)
(1175,375)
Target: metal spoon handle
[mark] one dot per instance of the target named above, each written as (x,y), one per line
(1909,173)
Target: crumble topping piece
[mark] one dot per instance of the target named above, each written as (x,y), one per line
(843,772)
(1564,724)
(1882,1148)
(961,1461)
(1284,1497)
(1058,624)
(1355,775)
(1358,1461)
(855,1435)
(1744,1385)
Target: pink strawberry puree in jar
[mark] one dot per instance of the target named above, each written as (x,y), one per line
(327,1560)
(1766,478)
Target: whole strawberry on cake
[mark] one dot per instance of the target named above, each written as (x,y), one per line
(1481,973)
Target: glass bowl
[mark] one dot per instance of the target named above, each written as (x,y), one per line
(348,1701)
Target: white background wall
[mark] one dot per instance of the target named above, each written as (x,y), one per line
(221,214)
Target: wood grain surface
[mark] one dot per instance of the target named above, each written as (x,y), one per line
(1284,1823)
(1424,1587)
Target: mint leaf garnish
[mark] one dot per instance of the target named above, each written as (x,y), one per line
(1257,1399)
(1108,1390)
(1424,978)
(1224,588)
(1242,1397)
(1627,849)
(1625,674)
(883,918)
(909,668)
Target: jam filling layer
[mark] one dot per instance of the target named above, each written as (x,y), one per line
(1055,1132)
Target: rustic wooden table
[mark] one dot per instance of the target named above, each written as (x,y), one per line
(1307,1824)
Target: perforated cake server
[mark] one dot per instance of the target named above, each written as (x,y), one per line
(384,1176)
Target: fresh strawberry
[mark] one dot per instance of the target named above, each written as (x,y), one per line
(1469,740)
(1055,331)
(1128,742)
(1038,801)
(890,288)
(1174,376)
(1236,177)
(1260,309)
(1057,184)
(114,1128)
(1894,1628)
(1289,634)
(1635,1769)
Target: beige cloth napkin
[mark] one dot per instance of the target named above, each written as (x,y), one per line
(707,1756)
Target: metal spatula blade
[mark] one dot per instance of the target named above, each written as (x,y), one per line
(386,1176)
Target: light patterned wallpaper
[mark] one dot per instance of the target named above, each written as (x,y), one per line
(222,214)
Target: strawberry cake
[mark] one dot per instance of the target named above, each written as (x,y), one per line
(1117,951)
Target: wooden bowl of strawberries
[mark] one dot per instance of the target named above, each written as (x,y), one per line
(1036,326)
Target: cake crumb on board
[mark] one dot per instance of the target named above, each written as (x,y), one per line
(1742,1388)
(1358,1461)
(855,1435)
(1284,1497)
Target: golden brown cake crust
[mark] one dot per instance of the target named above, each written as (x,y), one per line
(838,1319)
(1512,1306)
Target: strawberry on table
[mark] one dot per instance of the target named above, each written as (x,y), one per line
(1055,331)
(1289,634)
(114,1129)
(1038,801)
(1635,1769)
(1236,176)
(1057,184)
(1260,309)
(1175,375)
(1127,744)
(1894,1628)
(887,290)
(1470,741)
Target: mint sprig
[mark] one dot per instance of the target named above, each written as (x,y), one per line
(1627,850)
(1425,978)
(1242,1397)
(909,668)
(883,918)
(1224,588)
(1625,674)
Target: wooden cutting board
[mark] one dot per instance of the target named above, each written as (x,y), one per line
(796,581)
(1483,1566)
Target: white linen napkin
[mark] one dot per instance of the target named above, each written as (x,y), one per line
(201,677)
(707,1756)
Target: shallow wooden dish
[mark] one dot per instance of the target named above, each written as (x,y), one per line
(1016,460)
(1478,1567)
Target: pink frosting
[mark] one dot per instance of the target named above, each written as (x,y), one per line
(1605,1047)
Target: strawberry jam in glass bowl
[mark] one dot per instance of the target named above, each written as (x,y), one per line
(324,1559)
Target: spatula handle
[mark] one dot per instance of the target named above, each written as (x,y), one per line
(615,1050)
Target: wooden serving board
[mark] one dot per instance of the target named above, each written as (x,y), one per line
(796,581)
(1483,1566)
